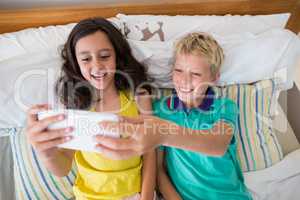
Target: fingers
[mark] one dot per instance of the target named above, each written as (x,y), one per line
(38,135)
(42,141)
(116,143)
(133,120)
(44,123)
(52,134)
(123,128)
(32,112)
(116,154)
(42,146)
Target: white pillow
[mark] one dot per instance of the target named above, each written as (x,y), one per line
(30,64)
(164,28)
(34,40)
(248,57)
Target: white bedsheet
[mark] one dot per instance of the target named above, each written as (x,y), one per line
(279,182)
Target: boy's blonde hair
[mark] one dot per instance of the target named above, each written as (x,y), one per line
(204,45)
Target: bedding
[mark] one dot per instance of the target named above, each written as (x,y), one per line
(7,187)
(280,182)
(32,179)
(165,28)
(28,56)
(284,132)
(258,146)
(248,57)
(35,40)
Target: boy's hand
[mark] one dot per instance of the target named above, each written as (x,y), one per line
(140,135)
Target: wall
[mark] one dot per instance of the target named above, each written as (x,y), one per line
(293,102)
(290,102)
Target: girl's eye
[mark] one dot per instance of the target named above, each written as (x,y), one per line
(85,59)
(104,57)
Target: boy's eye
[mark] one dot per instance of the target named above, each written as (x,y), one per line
(178,70)
(197,74)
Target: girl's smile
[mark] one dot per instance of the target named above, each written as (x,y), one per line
(97,60)
(99,75)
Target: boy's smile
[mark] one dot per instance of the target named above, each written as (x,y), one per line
(191,77)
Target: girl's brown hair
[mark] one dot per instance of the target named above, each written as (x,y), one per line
(72,89)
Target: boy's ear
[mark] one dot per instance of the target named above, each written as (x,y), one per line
(216,76)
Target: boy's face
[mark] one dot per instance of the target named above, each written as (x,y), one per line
(191,77)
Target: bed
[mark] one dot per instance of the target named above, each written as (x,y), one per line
(279,181)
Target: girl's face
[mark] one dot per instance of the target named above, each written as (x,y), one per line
(191,77)
(97,59)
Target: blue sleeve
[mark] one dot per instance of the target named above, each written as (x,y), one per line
(161,148)
(228,112)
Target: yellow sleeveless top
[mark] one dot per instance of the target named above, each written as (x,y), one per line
(100,178)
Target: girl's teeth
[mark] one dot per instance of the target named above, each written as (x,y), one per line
(98,75)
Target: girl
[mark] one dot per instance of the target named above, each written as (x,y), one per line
(97,73)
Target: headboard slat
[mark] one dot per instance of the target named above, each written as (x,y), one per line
(14,20)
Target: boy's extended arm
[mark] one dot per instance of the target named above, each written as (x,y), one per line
(148,132)
(212,142)
(164,184)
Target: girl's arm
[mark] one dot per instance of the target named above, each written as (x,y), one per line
(149,159)
(164,184)
(148,176)
(61,163)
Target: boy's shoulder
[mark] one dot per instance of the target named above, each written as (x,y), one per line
(223,101)
(225,106)
(218,102)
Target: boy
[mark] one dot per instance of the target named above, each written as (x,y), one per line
(214,171)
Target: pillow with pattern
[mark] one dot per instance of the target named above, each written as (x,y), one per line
(164,27)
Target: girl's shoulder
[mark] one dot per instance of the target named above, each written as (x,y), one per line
(137,95)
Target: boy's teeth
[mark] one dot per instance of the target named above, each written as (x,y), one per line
(185,90)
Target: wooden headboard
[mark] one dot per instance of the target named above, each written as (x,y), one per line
(14,20)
